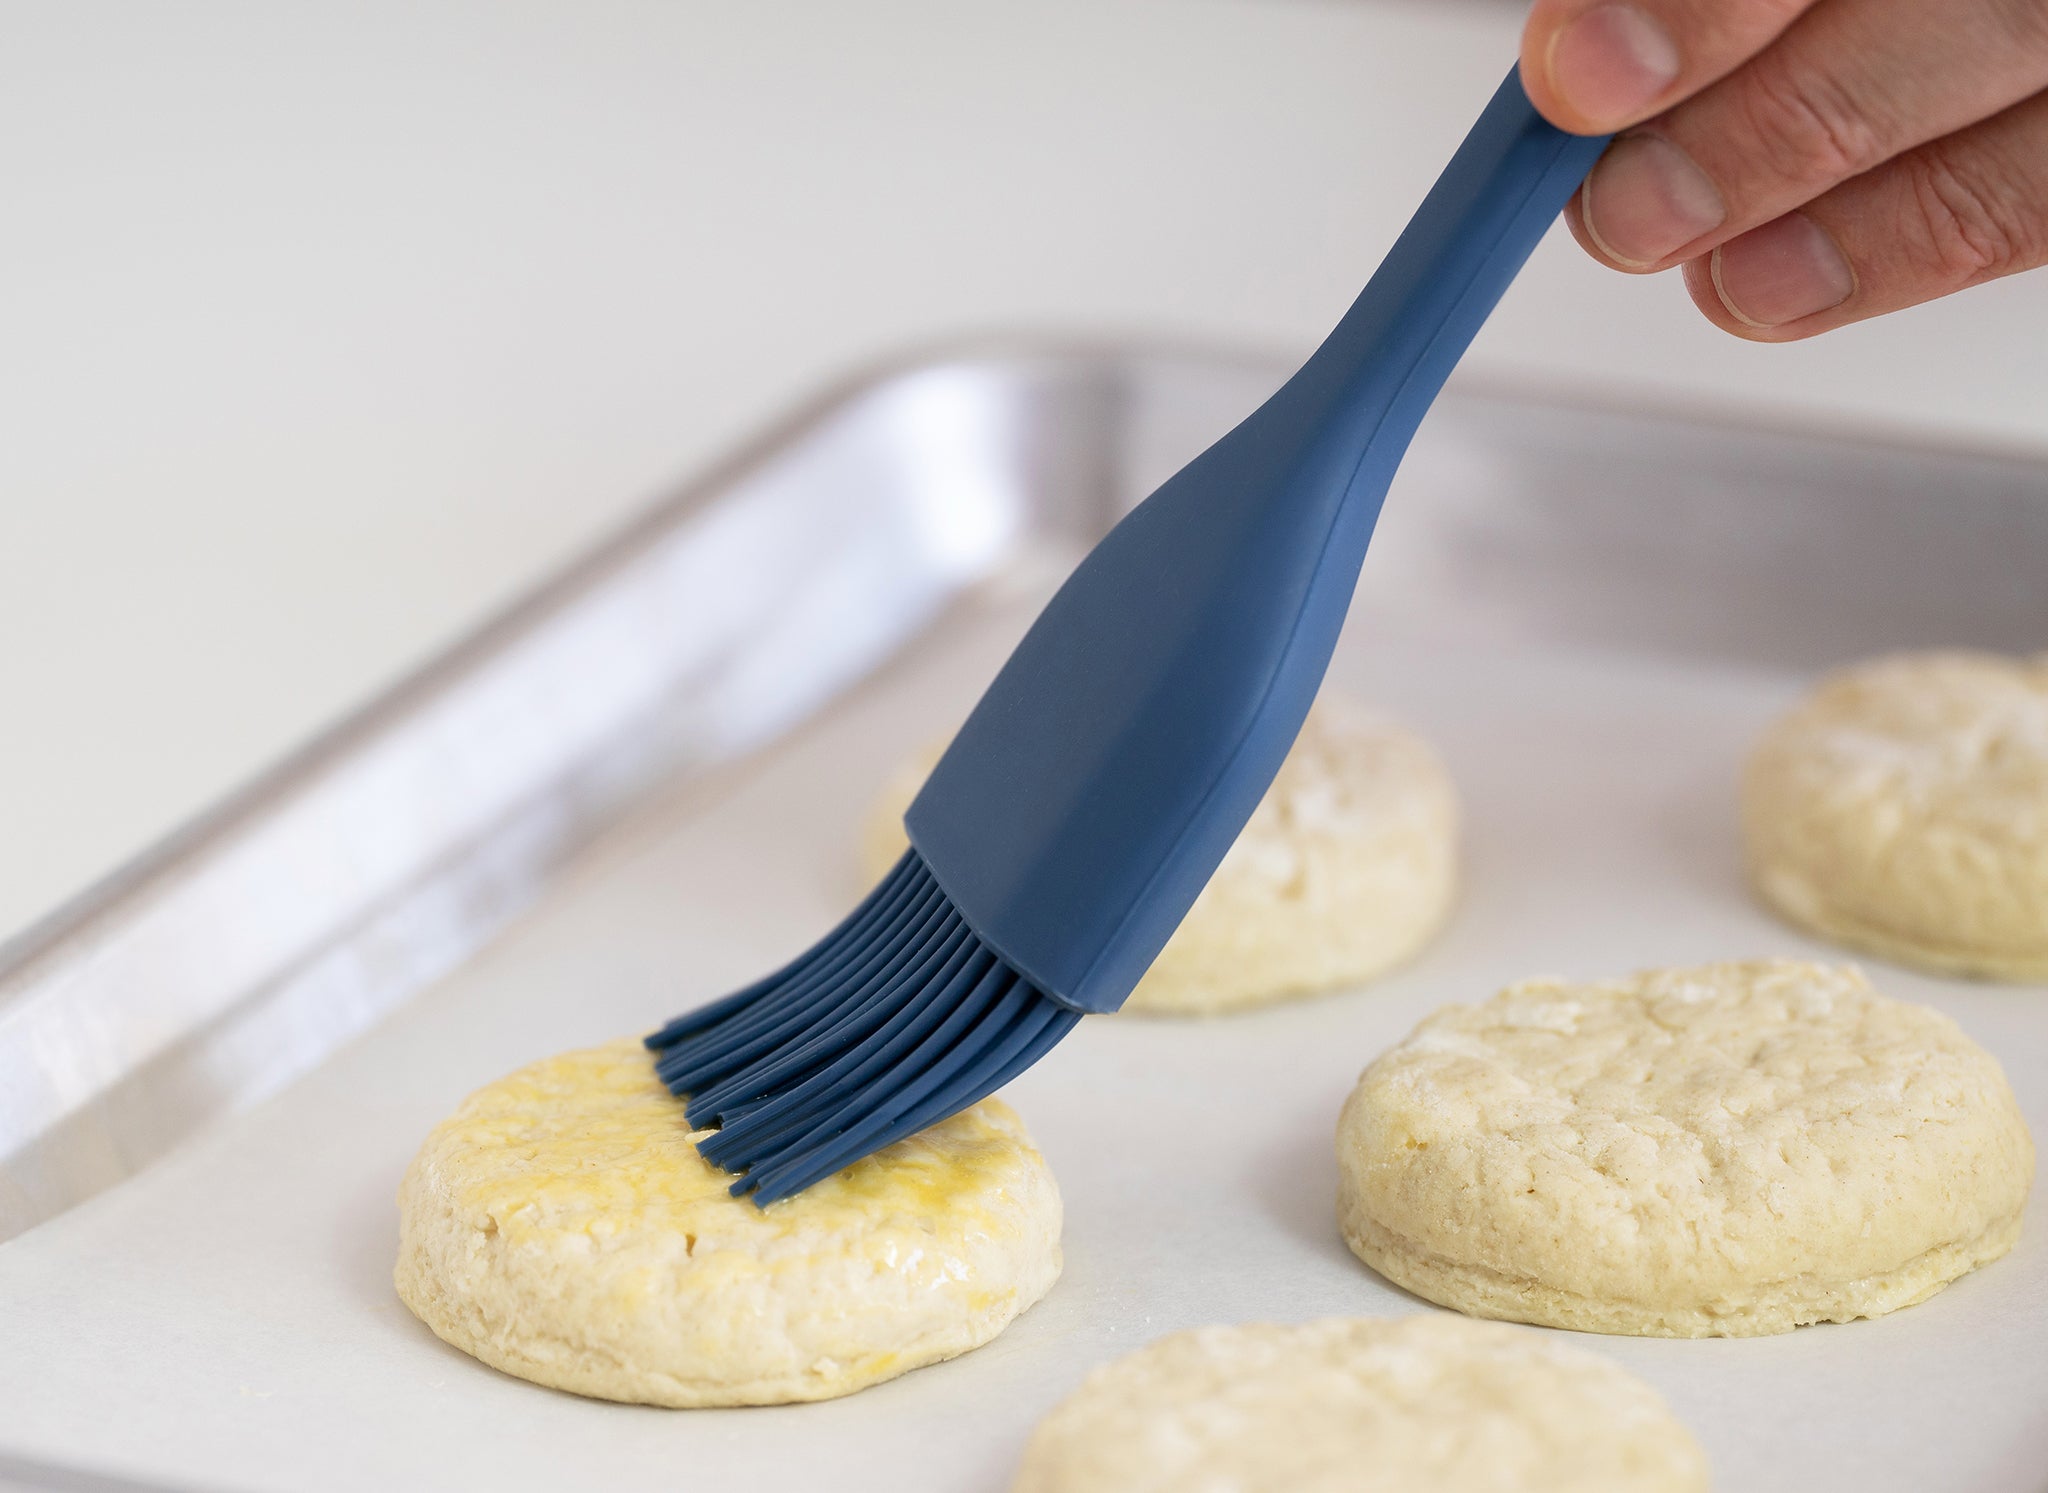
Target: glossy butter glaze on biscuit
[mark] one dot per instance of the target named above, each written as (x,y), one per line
(561,1226)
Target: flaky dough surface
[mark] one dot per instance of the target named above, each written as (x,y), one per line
(1346,869)
(1728,1150)
(1426,1404)
(561,1226)
(1902,808)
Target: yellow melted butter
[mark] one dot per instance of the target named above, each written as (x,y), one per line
(592,1142)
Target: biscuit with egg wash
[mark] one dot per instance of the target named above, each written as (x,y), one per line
(1346,869)
(561,1226)
(1723,1151)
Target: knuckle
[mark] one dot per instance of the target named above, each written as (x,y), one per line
(1810,129)
(1971,225)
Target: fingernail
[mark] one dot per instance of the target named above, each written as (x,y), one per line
(1646,199)
(1776,274)
(1612,63)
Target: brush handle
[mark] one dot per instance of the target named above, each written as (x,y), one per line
(1116,756)
(1112,762)
(1377,373)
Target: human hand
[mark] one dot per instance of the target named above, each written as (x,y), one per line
(1809,162)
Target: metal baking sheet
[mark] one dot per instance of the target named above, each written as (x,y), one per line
(642,788)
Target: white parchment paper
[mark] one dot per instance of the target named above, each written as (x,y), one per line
(226,1320)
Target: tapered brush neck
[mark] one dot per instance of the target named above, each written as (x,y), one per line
(1376,374)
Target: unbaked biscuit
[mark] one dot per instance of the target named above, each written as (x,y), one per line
(1347,868)
(561,1226)
(1725,1151)
(1903,809)
(1410,1405)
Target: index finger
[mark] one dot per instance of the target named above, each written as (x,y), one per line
(1596,66)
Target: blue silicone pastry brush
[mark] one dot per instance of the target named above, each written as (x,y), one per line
(1098,782)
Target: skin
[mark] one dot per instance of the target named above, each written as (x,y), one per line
(1807,163)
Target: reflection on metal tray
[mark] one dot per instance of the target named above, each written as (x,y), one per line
(244,950)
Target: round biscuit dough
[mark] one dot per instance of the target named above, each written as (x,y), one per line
(561,1226)
(1725,1151)
(1424,1404)
(1902,808)
(1346,869)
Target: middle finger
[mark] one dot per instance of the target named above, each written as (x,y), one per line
(1849,85)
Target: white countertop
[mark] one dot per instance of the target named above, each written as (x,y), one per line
(324,330)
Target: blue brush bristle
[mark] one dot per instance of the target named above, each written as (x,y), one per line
(894,1020)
